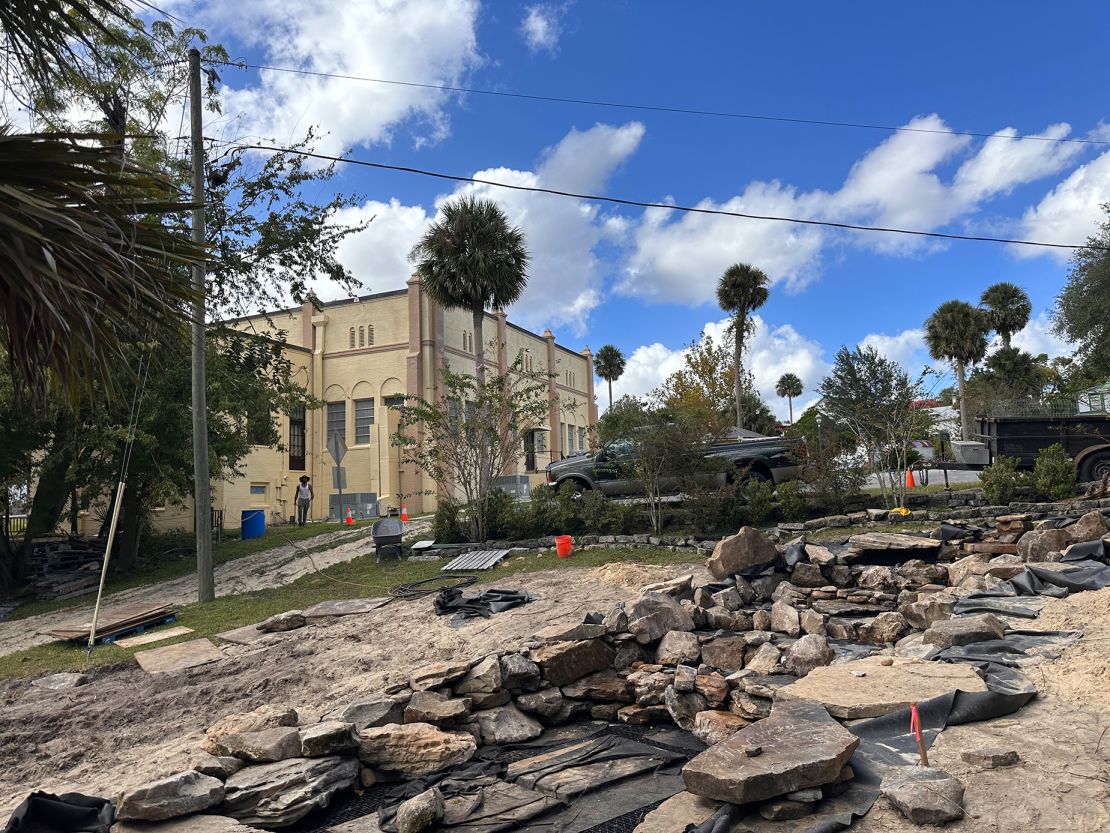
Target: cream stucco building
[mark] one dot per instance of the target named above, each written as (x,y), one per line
(361,355)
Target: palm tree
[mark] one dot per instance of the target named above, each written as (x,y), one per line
(471,258)
(609,365)
(1007,308)
(741,289)
(789,386)
(957,333)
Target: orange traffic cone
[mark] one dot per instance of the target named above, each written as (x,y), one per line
(350,518)
(404,513)
(910,482)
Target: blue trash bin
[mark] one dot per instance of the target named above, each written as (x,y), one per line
(253,523)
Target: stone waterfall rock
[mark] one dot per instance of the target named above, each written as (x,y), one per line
(924,795)
(282,793)
(420,811)
(561,663)
(964,630)
(747,548)
(167,798)
(801,747)
(413,749)
(374,710)
(653,615)
(507,724)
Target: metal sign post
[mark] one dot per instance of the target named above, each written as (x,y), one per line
(337,448)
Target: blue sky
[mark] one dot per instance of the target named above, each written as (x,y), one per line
(644,280)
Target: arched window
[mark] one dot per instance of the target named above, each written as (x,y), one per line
(361,336)
(370,335)
(352,337)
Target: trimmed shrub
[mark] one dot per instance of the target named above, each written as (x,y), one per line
(446,526)
(760,497)
(792,501)
(1000,481)
(1054,474)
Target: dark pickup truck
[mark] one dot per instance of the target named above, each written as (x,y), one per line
(611,470)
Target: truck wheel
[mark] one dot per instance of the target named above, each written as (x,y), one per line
(1095,466)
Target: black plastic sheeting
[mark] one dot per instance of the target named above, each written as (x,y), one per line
(452,601)
(1082,574)
(45,812)
(887,742)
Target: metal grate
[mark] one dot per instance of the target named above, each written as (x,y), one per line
(478,560)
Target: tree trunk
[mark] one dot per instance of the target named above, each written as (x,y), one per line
(484,477)
(610,381)
(738,327)
(126,556)
(1005,340)
(965,422)
(790,405)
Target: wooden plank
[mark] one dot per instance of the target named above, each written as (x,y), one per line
(157,636)
(178,657)
(112,620)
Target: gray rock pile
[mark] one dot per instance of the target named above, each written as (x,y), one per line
(745,656)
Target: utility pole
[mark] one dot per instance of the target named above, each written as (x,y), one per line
(202,498)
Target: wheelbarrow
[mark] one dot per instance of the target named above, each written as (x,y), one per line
(387,534)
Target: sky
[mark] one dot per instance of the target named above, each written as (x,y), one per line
(644,279)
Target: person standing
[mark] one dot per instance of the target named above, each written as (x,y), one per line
(304,499)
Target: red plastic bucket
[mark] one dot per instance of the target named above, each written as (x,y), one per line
(564,546)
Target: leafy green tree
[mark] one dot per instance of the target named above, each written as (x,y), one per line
(707,382)
(874,398)
(957,333)
(609,365)
(1009,376)
(471,258)
(1080,315)
(1007,307)
(465,447)
(741,290)
(789,386)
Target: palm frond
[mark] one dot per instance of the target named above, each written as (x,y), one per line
(86,261)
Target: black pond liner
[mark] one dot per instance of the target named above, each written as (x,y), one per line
(603,801)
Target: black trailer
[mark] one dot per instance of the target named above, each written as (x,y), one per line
(1084,436)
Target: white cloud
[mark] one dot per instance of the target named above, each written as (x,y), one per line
(565,275)
(907,348)
(542,26)
(902,182)
(769,353)
(1070,212)
(429,41)
(1037,337)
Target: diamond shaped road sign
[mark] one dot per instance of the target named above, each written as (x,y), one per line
(337,447)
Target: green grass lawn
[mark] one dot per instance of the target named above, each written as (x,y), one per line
(172,555)
(359,578)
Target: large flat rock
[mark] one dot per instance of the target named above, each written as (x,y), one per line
(801,746)
(865,688)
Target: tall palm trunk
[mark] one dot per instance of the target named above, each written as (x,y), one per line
(790,405)
(739,350)
(965,422)
(610,381)
(1005,340)
(484,476)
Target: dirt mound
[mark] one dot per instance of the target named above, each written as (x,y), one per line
(629,575)
(1082,674)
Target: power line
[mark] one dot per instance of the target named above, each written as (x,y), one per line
(669,206)
(654,108)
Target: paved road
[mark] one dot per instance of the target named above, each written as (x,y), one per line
(935,476)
